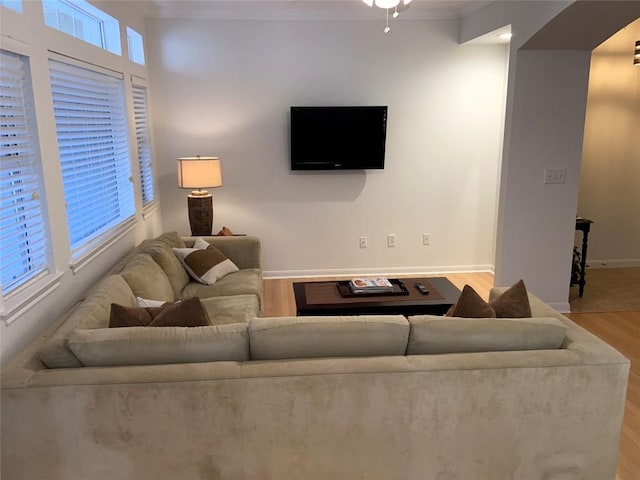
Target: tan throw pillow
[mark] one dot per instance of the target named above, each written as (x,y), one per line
(471,305)
(513,303)
(224,232)
(206,265)
(188,313)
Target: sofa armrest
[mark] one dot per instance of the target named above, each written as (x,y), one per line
(244,251)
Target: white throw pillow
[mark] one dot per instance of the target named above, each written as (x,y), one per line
(201,243)
(145,302)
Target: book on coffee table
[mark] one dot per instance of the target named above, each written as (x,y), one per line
(370,285)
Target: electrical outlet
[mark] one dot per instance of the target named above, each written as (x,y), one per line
(391,240)
(555,175)
(363,242)
(426,239)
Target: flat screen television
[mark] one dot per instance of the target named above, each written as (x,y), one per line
(338,138)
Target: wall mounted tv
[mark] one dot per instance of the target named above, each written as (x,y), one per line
(338,138)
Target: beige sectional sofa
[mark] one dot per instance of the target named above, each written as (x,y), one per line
(367,397)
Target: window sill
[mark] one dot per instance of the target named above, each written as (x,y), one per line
(98,245)
(150,209)
(18,302)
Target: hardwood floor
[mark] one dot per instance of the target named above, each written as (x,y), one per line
(619,329)
(622,331)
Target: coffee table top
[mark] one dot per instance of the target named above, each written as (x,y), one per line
(324,298)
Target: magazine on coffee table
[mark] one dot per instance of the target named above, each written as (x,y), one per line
(398,289)
(371,285)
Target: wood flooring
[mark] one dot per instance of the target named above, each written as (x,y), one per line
(622,331)
(619,329)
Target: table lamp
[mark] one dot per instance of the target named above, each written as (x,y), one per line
(199,172)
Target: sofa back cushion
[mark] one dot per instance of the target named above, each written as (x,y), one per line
(434,334)
(334,336)
(160,249)
(92,312)
(147,279)
(163,345)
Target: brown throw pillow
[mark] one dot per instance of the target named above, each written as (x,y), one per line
(471,305)
(206,265)
(188,313)
(513,303)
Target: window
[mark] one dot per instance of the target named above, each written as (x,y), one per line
(136,47)
(144,144)
(25,237)
(82,20)
(94,151)
(12,4)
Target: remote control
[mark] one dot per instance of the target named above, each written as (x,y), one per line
(423,290)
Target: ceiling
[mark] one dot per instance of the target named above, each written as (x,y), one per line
(304,9)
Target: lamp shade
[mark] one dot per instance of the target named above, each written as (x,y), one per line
(199,172)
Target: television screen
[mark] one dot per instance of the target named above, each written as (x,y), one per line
(338,138)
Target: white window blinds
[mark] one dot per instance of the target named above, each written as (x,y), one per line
(25,238)
(144,147)
(91,125)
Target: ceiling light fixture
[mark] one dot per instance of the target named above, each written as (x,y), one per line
(388,4)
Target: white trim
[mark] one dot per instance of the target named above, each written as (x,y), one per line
(101,243)
(76,62)
(613,263)
(387,271)
(28,295)
(15,45)
(138,80)
(149,209)
(562,307)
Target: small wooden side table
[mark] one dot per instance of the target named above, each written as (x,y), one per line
(583,225)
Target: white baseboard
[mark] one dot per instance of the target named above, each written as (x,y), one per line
(562,307)
(386,271)
(613,263)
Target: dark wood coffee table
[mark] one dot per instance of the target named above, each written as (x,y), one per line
(324,298)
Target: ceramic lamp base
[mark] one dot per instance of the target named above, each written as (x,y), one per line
(200,214)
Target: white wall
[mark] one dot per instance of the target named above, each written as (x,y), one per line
(610,177)
(544,128)
(224,88)
(26,34)
(537,220)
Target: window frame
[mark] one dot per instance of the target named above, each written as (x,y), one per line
(135,46)
(14,5)
(146,168)
(89,246)
(29,292)
(110,40)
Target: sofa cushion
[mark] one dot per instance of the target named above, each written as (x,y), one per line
(150,346)
(92,312)
(205,265)
(331,336)
(435,334)
(242,282)
(231,309)
(160,250)
(147,279)
(189,313)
